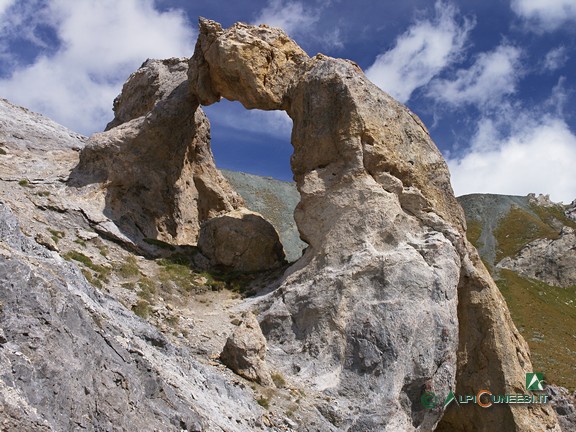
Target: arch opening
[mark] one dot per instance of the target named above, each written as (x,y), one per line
(252,149)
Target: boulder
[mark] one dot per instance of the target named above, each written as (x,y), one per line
(245,351)
(389,294)
(241,240)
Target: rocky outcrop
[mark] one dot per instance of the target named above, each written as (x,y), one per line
(72,358)
(245,351)
(388,290)
(551,261)
(571,211)
(241,240)
(154,162)
(564,404)
(388,302)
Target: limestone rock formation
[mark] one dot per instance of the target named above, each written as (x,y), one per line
(389,300)
(154,161)
(241,240)
(388,289)
(245,351)
(564,404)
(551,261)
(571,210)
(72,358)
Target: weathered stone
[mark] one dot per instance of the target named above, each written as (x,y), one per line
(241,241)
(571,210)
(155,161)
(46,241)
(373,302)
(216,70)
(77,359)
(564,404)
(551,261)
(245,351)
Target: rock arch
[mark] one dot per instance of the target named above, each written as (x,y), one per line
(389,300)
(389,295)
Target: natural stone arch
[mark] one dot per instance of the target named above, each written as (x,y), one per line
(389,295)
(372,304)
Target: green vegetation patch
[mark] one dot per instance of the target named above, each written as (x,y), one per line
(129,268)
(473,232)
(546,317)
(56,235)
(264,402)
(550,215)
(519,228)
(25,183)
(142,309)
(177,270)
(102,272)
(278,379)
(147,289)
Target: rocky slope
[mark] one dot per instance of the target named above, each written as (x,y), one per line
(388,294)
(529,244)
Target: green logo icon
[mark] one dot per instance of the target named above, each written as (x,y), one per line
(449,399)
(429,400)
(534,381)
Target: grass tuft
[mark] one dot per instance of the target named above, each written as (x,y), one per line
(264,402)
(278,379)
(142,309)
(129,268)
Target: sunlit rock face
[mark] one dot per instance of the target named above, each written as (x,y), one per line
(389,299)
(154,160)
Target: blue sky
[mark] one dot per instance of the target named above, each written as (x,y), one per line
(493,80)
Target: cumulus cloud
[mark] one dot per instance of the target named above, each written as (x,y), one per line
(292,17)
(545,15)
(4,5)
(421,53)
(233,115)
(492,76)
(555,58)
(97,45)
(537,156)
(298,19)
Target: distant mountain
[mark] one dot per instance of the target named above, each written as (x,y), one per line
(529,245)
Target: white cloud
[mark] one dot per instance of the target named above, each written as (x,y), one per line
(4,5)
(545,15)
(292,17)
(420,53)
(555,58)
(492,76)
(100,44)
(234,116)
(298,20)
(537,156)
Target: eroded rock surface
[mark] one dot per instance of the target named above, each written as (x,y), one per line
(72,358)
(154,160)
(551,261)
(389,290)
(245,351)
